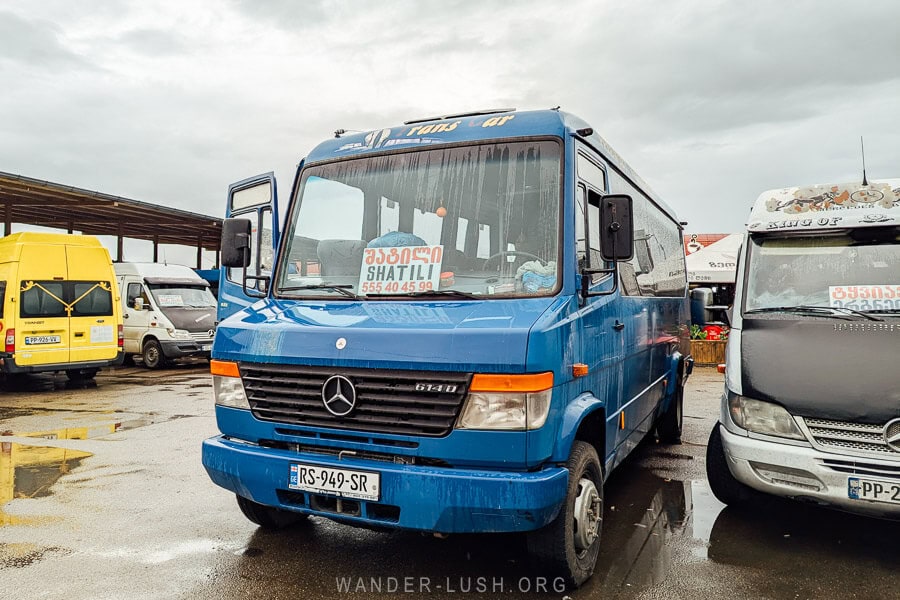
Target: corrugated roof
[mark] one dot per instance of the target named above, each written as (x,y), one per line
(35,202)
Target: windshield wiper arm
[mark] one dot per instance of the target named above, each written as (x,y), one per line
(425,294)
(884,311)
(342,288)
(802,308)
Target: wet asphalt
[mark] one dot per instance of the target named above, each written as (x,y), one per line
(102,495)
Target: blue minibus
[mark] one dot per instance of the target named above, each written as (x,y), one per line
(463,324)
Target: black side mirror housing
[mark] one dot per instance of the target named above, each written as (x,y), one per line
(616,226)
(236,243)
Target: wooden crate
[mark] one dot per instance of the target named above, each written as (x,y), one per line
(708,352)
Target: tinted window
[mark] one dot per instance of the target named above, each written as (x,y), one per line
(91,299)
(53,298)
(42,299)
(657,267)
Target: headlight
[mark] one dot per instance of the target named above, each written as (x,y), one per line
(763,417)
(179,334)
(499,402)
(228,389)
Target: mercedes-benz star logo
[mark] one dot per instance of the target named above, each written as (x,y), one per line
(338,395)
(892,435)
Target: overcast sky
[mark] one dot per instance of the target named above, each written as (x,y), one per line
(711,102)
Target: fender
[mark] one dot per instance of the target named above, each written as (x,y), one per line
(676,372)
(576,412)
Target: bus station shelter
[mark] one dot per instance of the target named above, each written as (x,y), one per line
(34,202)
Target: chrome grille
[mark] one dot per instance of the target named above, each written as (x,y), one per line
(200,336)
(836,436)
(387,401)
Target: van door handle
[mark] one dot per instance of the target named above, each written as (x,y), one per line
(619,326)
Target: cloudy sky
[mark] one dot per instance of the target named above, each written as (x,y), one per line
(710,101)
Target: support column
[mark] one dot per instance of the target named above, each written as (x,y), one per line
(155,249)
(200,252)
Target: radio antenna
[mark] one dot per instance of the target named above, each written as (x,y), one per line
(862,147)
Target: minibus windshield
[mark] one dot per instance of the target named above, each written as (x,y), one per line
(835,271)
(182,296)
(447,224)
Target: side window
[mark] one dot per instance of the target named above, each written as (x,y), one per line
(593,215)
(2,297)
(42,299)
(135,291)
(93,299)
(262,252)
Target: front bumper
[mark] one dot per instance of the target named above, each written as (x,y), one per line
(445,500)
(803,473)
(181,348)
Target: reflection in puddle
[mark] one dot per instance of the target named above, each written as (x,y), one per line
(644,512)
(30,472)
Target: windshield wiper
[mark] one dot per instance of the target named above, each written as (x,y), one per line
(425,294)
(827,310)
(343,288)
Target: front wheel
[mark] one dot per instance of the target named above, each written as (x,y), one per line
(269,517)
(153,355)
(568,546)
(723,484)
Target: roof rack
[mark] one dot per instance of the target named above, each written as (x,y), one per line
(474,113)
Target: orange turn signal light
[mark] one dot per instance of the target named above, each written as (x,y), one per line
(225,368)
(579,369)
(720,368)
(532,382)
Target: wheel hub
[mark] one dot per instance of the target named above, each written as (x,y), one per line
(588,514)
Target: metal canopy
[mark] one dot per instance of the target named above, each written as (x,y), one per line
(35,202)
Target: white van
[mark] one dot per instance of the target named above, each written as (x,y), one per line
(811,409)
(169,312)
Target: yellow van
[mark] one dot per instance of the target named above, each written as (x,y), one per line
(61,307)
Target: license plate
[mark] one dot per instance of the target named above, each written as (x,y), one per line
(873,489)
(359,485)
(32,340)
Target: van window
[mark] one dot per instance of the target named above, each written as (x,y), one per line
(2,297)
(94,299)
(42,299)
(135,291)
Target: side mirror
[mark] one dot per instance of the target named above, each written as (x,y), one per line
(616,226)
(138,304)
(236,243)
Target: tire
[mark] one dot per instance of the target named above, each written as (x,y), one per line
(269,517)
(564,548)
(670,423)
(724,486)
(153,355)
(81,374)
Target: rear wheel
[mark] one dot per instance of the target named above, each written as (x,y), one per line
(269,517)
(568,546)
(81,374)
(723,484)
(153,355)
(669,425)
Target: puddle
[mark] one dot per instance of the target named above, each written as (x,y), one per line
(30,472)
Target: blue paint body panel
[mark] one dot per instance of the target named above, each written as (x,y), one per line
(475,480)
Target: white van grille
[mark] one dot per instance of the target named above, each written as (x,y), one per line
(840,436)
